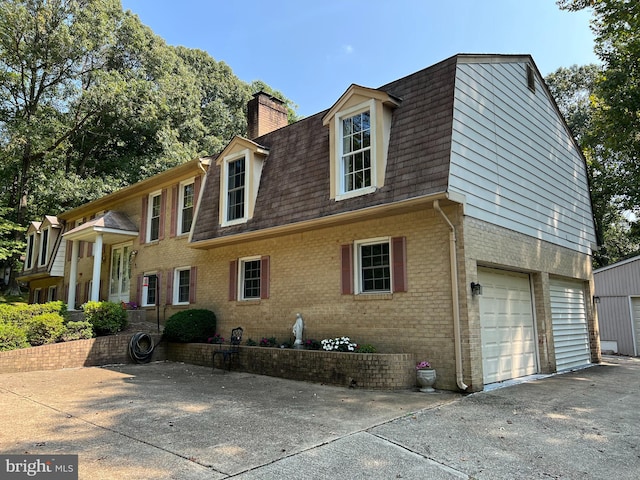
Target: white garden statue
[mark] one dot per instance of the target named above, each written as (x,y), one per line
(298,328)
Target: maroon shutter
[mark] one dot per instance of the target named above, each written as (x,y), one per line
(399,253)
(169,287)
(174,211)
(163,213)
(90,244)
(233,280)
(81,248)
(143,220)
(347,269)
(69,250)
(264,277)
(192,284)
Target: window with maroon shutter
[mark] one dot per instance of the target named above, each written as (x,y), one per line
(376,266)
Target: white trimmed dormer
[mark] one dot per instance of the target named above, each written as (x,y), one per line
(359,129)
(240,166)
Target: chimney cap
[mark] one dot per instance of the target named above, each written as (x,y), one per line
(262,93)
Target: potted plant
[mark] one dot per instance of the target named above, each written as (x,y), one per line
(426,376)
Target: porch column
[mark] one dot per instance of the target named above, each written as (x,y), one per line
(97,264)
(73,274)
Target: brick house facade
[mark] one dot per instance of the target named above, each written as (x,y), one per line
(374,218)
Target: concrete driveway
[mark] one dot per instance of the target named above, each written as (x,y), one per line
(169,420)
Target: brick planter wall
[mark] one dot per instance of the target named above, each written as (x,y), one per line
(74,354)
(367,370)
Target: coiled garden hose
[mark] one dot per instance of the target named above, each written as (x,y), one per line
(141,347)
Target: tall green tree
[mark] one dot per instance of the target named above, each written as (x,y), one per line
(614,131)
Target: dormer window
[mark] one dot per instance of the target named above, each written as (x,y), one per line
(44,246)
(356,152)
(30,248)
(240,171)
(359,130)
(235,189)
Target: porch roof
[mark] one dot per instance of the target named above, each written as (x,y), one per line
(114,226)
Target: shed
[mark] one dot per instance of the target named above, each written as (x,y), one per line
(617,294)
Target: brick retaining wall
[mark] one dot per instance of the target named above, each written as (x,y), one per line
(368,370)
(78,353)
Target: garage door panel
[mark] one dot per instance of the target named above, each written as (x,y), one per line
(507,329)
(570,328)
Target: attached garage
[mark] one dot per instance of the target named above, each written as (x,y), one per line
(570,329)
(507,326)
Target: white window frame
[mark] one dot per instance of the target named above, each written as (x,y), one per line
(341,193)
(145,290)
(44,247)
(357,259)
(36,295)
(176,285)
(181,188)
(31,249)
(51,293)
(152,196)
(245,154)
(241,277)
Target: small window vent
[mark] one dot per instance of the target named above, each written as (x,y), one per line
(531,79)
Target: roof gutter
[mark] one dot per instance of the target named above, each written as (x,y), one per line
(457,333)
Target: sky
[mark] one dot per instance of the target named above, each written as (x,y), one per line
(311,51)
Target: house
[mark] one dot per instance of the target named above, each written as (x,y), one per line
(446,214)
(617,293)
(44,260)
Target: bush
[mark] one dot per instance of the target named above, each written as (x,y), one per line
(45,328)
(12,337)
(77,331)
(187,326)
(366,348)
(21,314)
(106,318)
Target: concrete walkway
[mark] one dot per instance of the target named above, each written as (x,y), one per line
(168,420)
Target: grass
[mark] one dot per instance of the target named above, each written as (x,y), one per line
(14,299)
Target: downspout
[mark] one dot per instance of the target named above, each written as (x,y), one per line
(457,333)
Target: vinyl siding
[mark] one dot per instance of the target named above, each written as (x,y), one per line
(513,159)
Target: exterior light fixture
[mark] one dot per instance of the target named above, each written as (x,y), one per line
(476,289)
(596,300)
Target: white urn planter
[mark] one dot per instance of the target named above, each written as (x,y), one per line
(426,378)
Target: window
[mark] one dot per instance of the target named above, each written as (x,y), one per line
(356,152)
(185,207)
(44,247)
(36,295)
(51,294)
(249,278)
(30,247)
(235,189)
(182,284)
(149,289)
(376,265)
(531,80)
(155,210)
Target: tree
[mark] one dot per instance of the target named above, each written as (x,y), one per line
(614,132)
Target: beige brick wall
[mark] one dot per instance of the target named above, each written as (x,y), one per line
(491,246)
(364,370)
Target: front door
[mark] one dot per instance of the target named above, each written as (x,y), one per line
(120,276)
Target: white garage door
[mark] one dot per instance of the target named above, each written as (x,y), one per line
(507,327)
(569,317)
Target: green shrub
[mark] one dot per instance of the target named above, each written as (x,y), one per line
(187,326)
(21,314)
(251,343)
(45,328)
(12,337)
(366,348)
(77,331)
(106,318)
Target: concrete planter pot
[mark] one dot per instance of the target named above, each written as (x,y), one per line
(426,378)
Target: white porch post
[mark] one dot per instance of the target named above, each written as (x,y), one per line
(97,264)
(73,275)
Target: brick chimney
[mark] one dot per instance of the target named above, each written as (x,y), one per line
(265,114)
